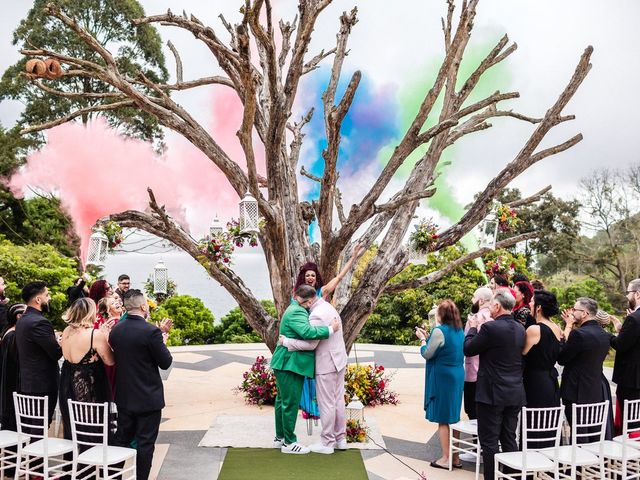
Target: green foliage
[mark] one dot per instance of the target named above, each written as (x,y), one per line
(137,49)
(557,222)
(172,290)
(234,328)
(568,287)
(396,315)
(22,264)
(192,321)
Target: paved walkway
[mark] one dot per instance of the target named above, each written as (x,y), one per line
(200,386)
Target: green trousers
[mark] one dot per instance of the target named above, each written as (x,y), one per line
(289,386)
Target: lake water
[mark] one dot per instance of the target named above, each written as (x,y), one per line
(248,263)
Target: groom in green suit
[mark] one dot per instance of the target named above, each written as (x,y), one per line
(290,368)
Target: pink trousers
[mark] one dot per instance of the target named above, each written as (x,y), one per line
(330,397)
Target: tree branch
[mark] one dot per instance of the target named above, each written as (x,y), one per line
(532,199)
(174,50)
(305,173)
(404,198)
(77,113)
(450,267)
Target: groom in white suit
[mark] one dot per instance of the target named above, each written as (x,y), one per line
(331,363)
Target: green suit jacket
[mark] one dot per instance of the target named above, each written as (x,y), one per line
(295,324)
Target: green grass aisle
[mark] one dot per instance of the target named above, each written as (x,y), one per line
(267,464)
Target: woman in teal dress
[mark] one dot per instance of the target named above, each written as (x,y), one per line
(444,375)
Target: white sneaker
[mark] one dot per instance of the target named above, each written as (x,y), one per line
(342,445)
(467,457)
(319,448)
(278,442)
(294,448)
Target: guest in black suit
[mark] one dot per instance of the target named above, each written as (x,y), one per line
(38,347)
(626,369)
(582,356)
(139,349)
(499,391)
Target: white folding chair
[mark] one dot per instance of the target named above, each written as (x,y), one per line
(621,459)
(8,449)
(468,443)
(588,426)
(44,456)
(90,428)
(540,425)
(630,423)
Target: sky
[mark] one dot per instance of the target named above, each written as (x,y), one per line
(397,46)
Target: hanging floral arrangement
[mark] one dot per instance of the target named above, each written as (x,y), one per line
(507,218)
(424,237)
(113,232)
(220,247)
(499,267)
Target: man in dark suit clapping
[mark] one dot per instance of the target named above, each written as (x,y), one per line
(582,356)
(626,369)
(38,347)
(499,391)
(139,350)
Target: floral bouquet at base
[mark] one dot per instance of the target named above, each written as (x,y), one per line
(369,383)
(259,384)
(356,431)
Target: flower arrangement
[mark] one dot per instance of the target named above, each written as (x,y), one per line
(220,247)
(499,267)
(424,236)
(356,431)
(370,384)
(507,218)
(113,232)
(259,384)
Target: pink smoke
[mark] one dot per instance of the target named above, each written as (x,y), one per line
(97,172)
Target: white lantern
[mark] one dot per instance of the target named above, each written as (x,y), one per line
(98,247)
(488,232)
(355,410)
(216,227)
(248,214)
(160,278)
(417,257)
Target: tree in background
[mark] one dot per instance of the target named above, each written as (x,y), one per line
(265,70)
(234,328)
(556,221)
(21,264)
(138,52)
(192,321)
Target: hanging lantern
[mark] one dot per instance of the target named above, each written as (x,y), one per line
(160,278)
(248,214)
(355,410)
(98,247)
(216,227)
(488,232)
(417,257)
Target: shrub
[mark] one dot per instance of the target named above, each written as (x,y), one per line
(234,328)
(259,384)
(369,384)
(36,262)
(192,321)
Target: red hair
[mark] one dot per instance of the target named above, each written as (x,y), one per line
(449,314)
(304,269)
(98,290)
(526,290)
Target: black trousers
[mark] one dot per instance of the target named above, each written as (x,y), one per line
(144,428)
(470,400)
(496,423)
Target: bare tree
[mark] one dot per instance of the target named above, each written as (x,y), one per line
(267,89)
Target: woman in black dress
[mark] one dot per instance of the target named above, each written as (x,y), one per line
(9,374)
(86,351)
(541,350)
